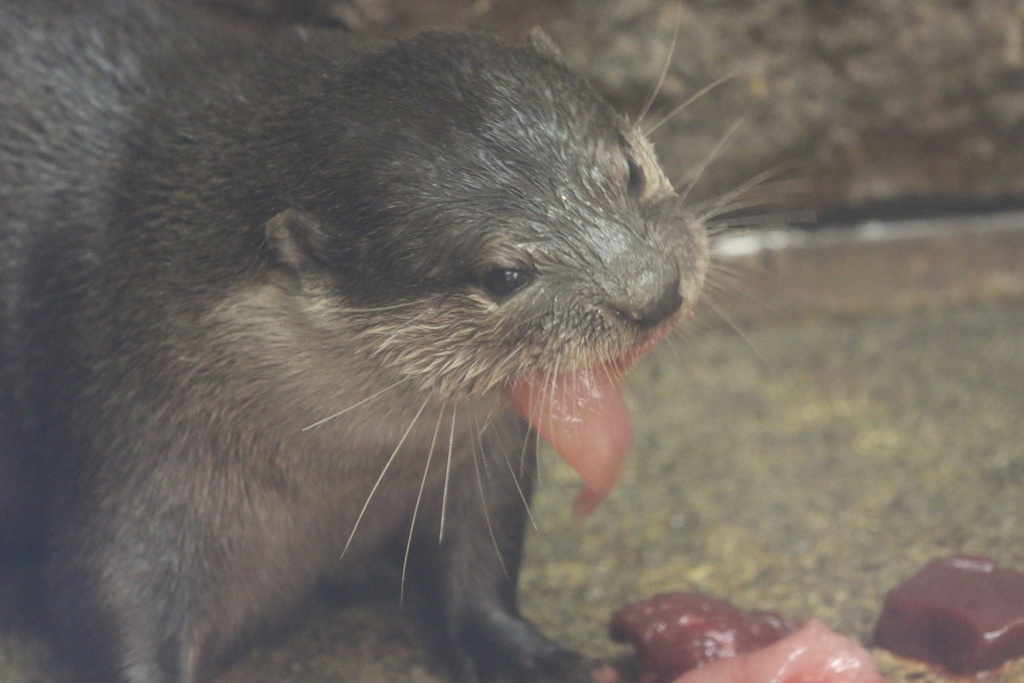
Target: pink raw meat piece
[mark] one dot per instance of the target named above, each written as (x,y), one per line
(814,654)
(675,632)
(962,612)
(584,418)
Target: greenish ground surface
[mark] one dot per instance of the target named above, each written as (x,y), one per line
(806,469)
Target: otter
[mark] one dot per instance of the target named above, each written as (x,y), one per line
(275,314)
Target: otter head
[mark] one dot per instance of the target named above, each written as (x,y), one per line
(491,224)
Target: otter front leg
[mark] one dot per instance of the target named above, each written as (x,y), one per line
(152,582)
(119,617)
(475,569)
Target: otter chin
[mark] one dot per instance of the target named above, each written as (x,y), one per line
(276,316)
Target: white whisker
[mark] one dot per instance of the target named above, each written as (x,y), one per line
(743,335)
(447,478)
(761,220)
(477,455)
(416,507)
(548,393)
(354,405)
(384,471)
(664,69)
(686,103)
(377,309)
(703,166)
(522,453)
(515,480)
(727,202)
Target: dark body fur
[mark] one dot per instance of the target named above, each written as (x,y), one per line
(208,244)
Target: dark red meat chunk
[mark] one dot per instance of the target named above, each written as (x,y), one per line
(962,612)
(675,632)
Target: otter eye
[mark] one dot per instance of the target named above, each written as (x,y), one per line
(503,282)
(636,180)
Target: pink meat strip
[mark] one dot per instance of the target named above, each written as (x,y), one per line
(814,654)
(583,416)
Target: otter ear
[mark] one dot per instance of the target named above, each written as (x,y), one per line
(542,43)
(294,237)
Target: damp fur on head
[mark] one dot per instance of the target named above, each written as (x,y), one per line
(534,174)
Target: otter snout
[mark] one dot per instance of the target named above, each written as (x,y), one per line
(645,283)
(649,303)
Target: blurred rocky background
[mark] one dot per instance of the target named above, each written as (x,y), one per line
(886,106)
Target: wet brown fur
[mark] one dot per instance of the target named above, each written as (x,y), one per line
(207,245)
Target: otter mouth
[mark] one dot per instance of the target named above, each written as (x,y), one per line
(583,415)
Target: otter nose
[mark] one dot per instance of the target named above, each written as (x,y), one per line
(650,310)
